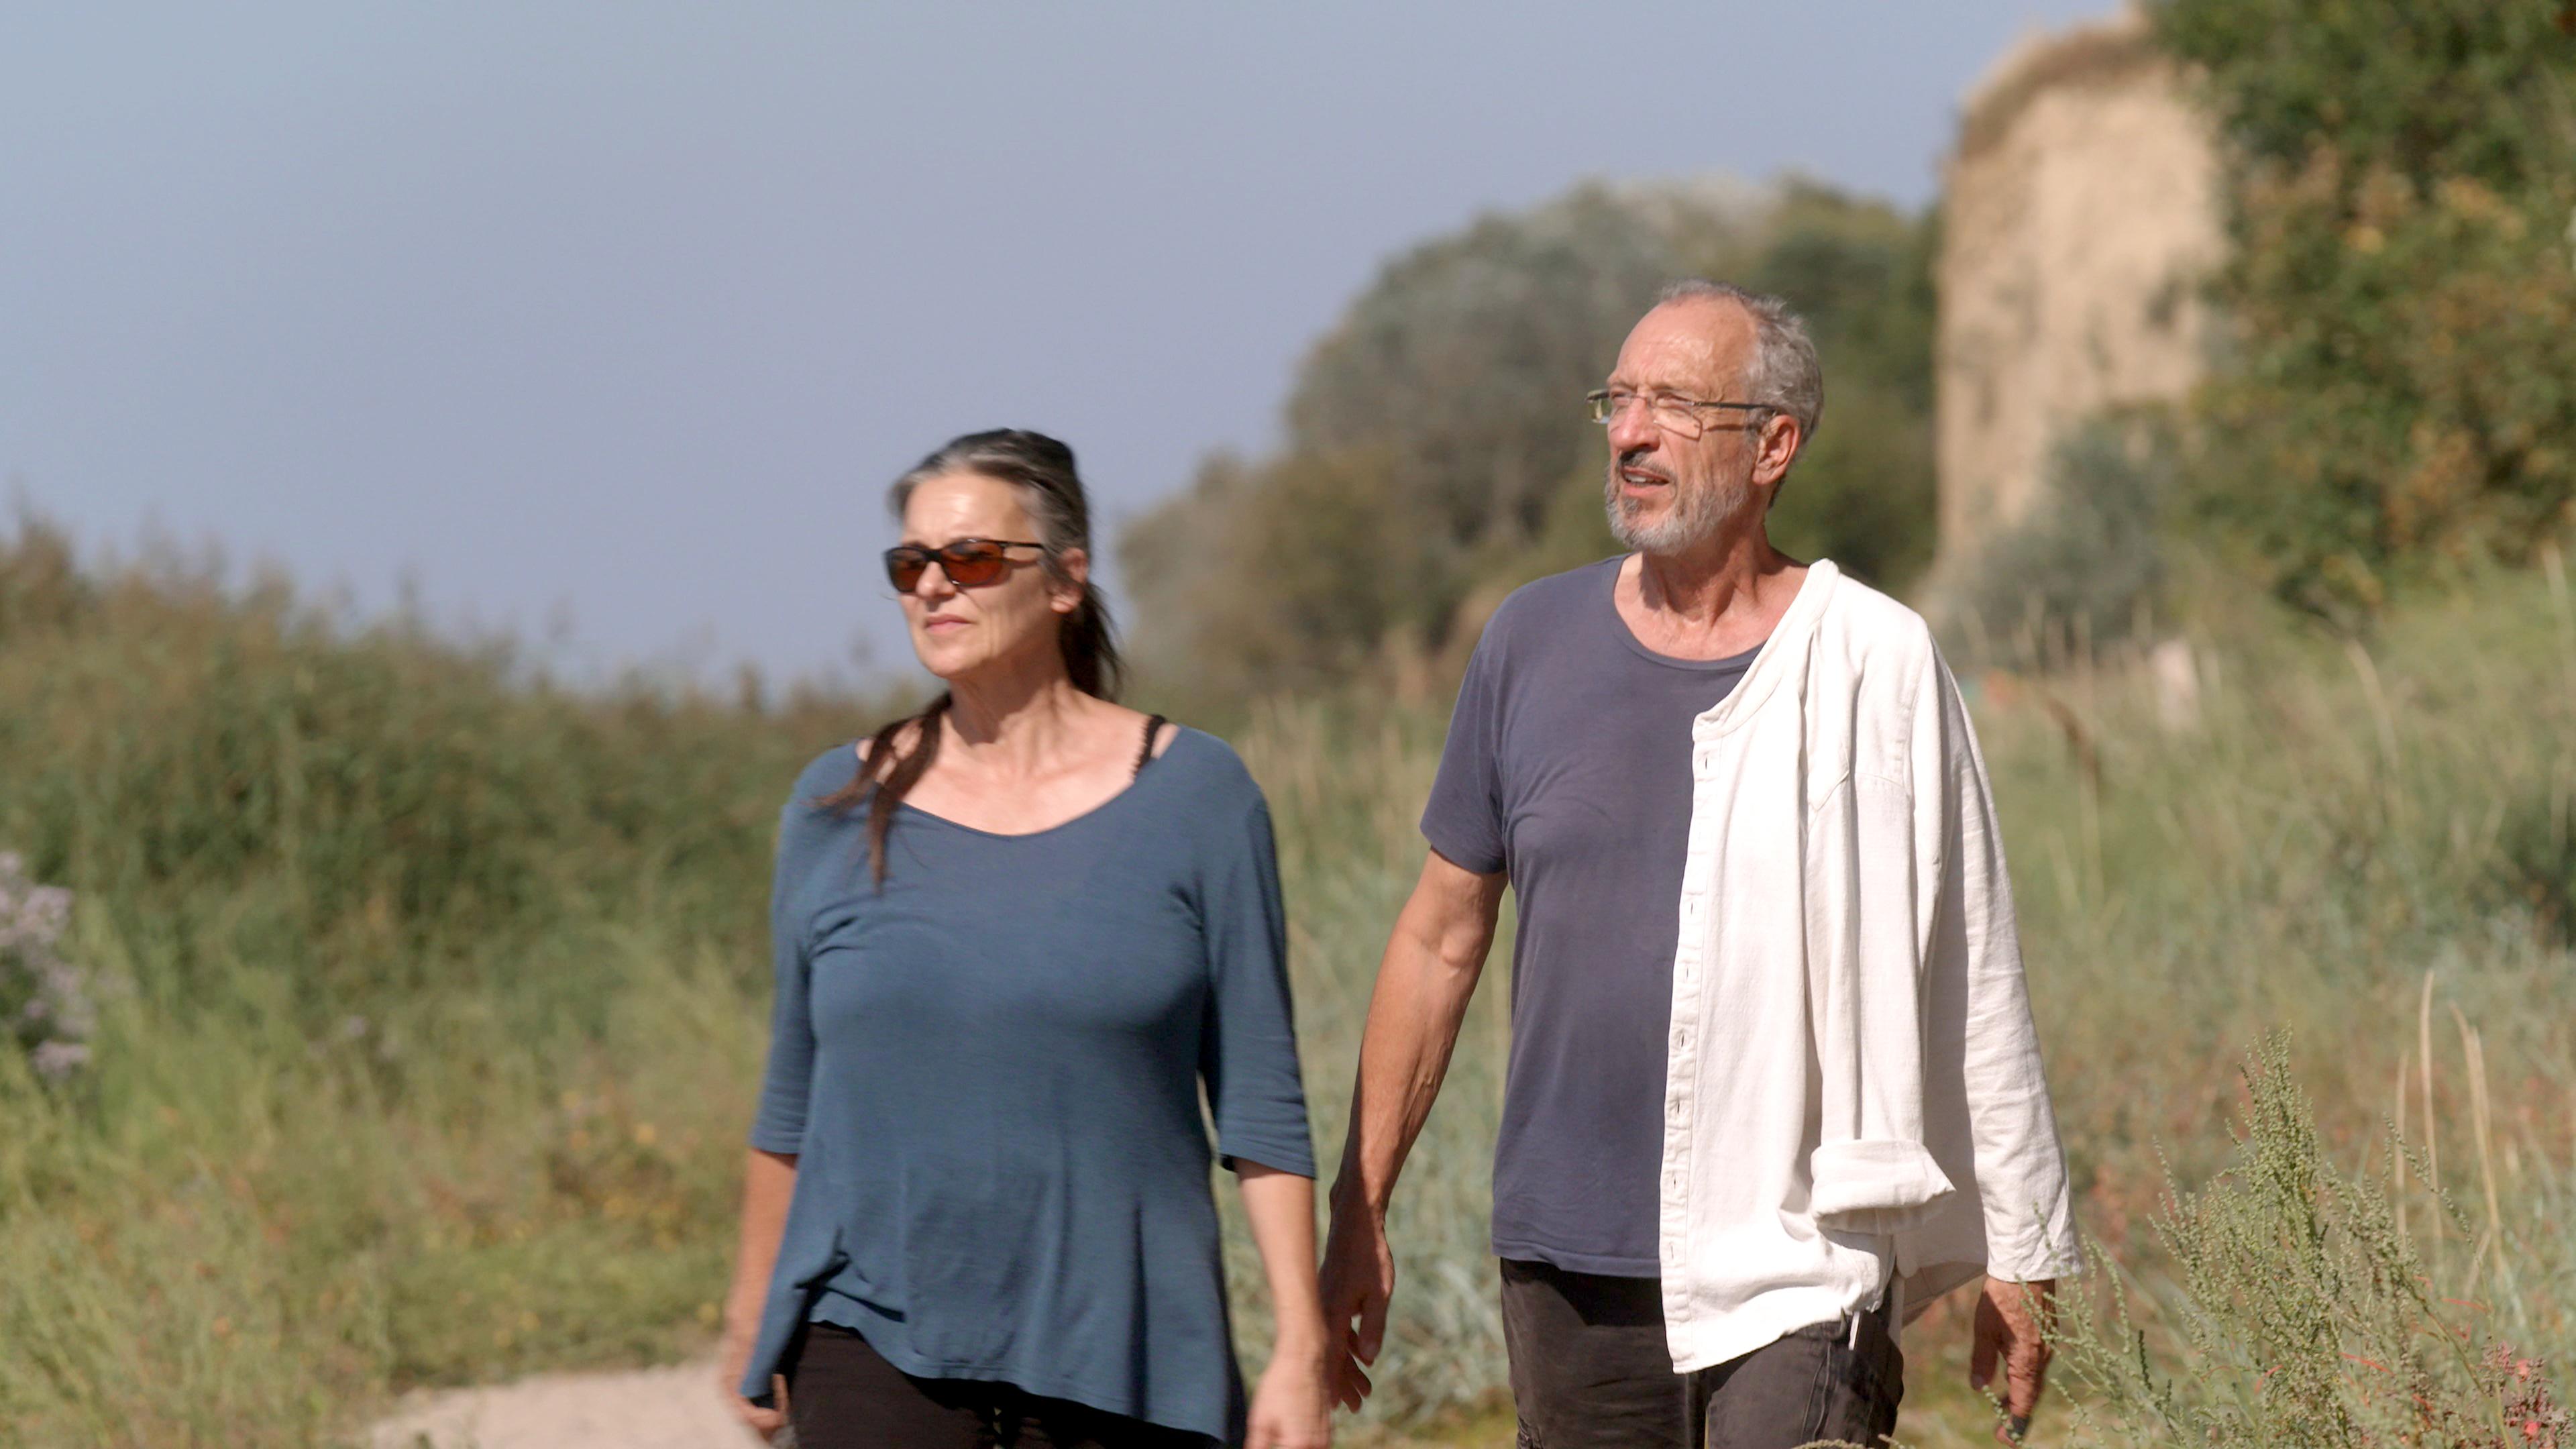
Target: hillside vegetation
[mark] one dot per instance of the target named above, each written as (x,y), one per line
(427,1007)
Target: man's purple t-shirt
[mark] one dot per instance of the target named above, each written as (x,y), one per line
(1568,764)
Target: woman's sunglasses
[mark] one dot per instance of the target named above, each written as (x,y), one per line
(970,563)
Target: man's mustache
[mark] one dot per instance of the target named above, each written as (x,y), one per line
(1634,462)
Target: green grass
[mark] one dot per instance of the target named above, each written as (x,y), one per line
(433,1010)
(439,991)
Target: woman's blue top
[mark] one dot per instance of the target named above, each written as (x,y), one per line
(990,1069)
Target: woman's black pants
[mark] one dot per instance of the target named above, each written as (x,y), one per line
(842,1394)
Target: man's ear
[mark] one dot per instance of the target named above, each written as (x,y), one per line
(1776,448)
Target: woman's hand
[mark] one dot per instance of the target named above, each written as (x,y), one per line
(730,1361)
(768,1185)
(1290,1409)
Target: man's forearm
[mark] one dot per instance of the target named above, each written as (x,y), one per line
(1432,962)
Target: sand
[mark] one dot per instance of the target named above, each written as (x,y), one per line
(678,1407)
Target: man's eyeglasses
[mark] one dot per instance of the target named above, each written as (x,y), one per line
(970,563)
(1671,412)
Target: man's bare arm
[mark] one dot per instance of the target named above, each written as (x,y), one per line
(1424,982)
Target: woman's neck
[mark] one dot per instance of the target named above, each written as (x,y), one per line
(1014,720)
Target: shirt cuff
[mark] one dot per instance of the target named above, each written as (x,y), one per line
(1881,1185)
(1278,1154)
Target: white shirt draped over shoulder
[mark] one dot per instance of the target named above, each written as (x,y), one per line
(1854,1090)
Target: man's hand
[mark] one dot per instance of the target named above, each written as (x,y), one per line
(1359,1279)
(2011,1323)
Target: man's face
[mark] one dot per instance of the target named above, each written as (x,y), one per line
(1666,492)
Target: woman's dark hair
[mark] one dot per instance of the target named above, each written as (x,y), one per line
(1042,469)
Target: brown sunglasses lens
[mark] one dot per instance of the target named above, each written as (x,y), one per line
(968,564)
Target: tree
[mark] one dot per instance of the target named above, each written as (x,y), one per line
(1436,446)
(2402,383)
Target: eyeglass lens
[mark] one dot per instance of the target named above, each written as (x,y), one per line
(969,563)
(1671,415)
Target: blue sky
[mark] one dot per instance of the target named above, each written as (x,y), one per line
(606,323)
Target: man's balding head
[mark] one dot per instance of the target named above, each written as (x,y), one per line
(1782,370)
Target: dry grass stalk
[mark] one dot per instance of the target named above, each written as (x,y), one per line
(2424,1064)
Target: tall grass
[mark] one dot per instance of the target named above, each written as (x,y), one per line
(1347,790)
(435,1009)
(2365,841)
(442,989)
(2301,1311)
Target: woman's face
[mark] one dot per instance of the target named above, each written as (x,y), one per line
(1009,623)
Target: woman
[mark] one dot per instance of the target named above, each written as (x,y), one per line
(1014,936)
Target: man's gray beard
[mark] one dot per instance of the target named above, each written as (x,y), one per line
(1697,514)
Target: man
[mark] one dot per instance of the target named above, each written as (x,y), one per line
(1773,1081)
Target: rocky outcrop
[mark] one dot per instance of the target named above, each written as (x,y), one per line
(2080,211)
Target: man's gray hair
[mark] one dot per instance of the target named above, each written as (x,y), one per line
(1785,373)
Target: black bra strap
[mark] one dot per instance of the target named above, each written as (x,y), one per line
(1145,756)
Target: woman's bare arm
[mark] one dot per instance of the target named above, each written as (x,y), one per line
(768,1183)
(1289,1409)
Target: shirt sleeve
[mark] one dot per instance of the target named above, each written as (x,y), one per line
(1248,1046)
(1980,1021)
(1464,817)
(779,1126)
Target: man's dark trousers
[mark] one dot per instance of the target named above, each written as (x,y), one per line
(1590,1370)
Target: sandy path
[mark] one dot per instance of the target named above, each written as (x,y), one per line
(660,1408)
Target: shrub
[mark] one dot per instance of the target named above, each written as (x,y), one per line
(2088,563)
(44,1000)
(2300,1312)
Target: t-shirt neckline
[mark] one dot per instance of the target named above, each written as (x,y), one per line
(1609,599)
(1179,735)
